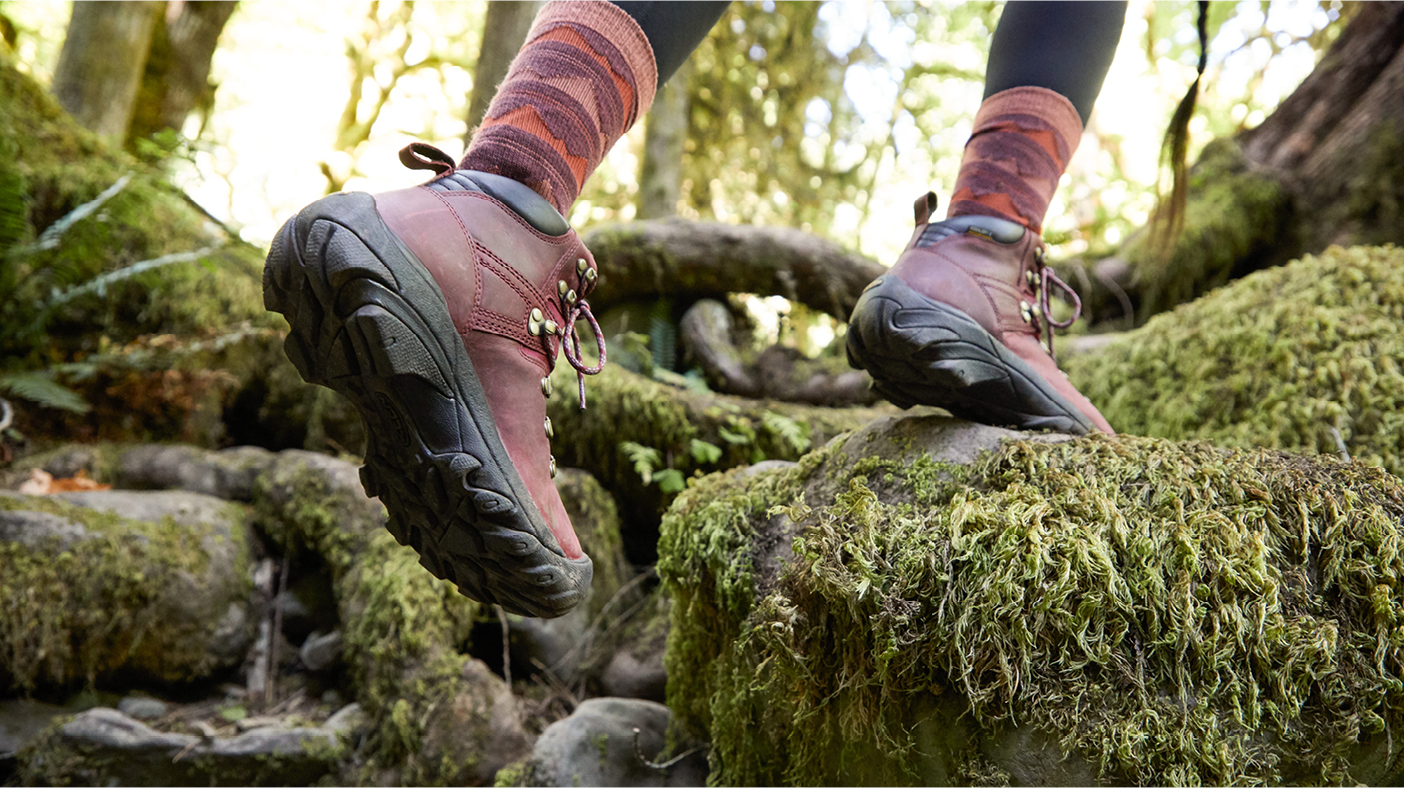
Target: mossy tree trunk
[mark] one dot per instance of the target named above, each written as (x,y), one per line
(1327,167)
(176,80)
(101,63)
(687,261)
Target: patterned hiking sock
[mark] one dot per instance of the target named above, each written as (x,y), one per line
(1022,141)
(584,76)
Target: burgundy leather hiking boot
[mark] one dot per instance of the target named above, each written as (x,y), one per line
(438,311)
(962,322)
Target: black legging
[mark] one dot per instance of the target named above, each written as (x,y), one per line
(1066,47)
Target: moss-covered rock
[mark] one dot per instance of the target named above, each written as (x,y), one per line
(684,432)
(160,595)
(1111,609)
(1277,360)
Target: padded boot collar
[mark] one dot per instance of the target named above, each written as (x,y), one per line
(529,205)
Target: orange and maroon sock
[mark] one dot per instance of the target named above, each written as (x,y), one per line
(1021,144)
(584,76)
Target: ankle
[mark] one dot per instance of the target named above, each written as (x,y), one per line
(1020,146)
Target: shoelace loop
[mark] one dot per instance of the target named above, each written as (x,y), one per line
(571,345)
(1047,277)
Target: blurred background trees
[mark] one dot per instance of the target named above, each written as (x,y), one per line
(825,118)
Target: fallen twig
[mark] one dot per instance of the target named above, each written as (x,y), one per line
(638,751)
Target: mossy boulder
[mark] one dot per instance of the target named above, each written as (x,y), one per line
(931,602)
(150,587)
(1278,359)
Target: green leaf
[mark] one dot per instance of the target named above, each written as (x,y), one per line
(233,713)
(42,390)
(670,481)
(788,430)
(733,437)
(705,453)
(644,459)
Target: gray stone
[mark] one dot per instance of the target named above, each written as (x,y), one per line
(186,508)
(105,747)
(37,530)
(349,721)
(228,474)
(141,708)
(321,651)
(595,745)
(629,676)
(549,641)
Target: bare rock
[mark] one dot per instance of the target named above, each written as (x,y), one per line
(597,745)
(320,651)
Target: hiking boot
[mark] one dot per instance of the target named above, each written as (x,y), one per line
(962,322)
(438,311)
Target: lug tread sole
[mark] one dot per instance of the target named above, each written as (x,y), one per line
(922,352)
(369,322)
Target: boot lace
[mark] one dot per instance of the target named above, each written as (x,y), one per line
(570,345)
(1047,278)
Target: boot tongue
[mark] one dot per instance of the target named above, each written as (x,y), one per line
(987,227)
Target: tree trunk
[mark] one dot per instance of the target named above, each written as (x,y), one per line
(504,30)
(1326,167)
(673,258)
(660,177)
(100,65)
(177,77)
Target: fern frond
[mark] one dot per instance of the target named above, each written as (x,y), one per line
(43,391)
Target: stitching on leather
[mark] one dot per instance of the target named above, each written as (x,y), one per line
(554,239)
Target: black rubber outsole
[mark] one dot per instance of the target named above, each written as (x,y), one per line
(369,322)
(923,352)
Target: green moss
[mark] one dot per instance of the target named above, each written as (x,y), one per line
(101,606)
(1276,360)
(511,775)
(1236,220)
(625,406)
(1171,613)
(402,626)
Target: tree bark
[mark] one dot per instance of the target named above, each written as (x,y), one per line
(660,177)
(504,31)
(687,260)
(101,63)
(1326,167)
(177,75)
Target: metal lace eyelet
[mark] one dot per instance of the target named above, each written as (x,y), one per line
(550,327)
(1032,279)
(591,275)
(1026,311)
(546,387)
(570,297)
(550,432)
(581,265)
(1037,310)
(553,467)
(535,322)
(562,287)
(1039,253)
